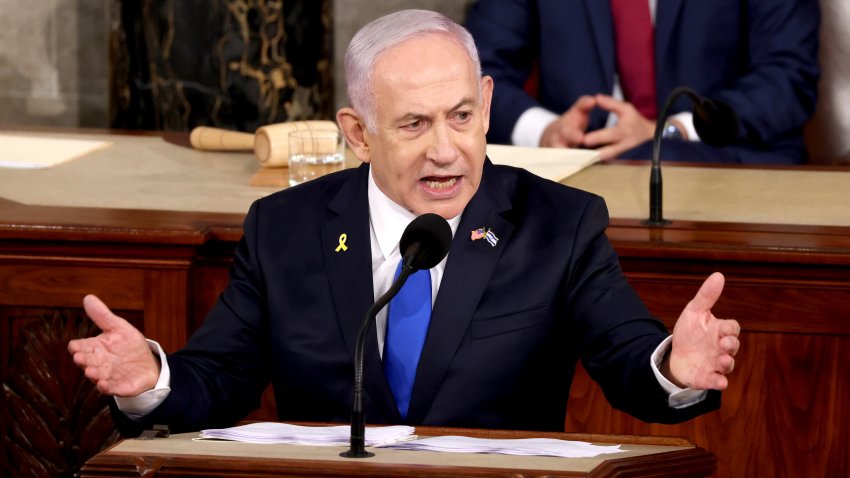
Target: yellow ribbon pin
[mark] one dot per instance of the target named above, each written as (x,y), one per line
(342,239)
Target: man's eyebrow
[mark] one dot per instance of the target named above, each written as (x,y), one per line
(462,103)
(412,116)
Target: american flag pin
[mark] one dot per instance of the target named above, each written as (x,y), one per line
(486,234)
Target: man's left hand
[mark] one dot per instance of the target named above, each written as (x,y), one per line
(704,347)
(631,129)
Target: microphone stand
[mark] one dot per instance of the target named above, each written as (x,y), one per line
(656,217)
(358,419)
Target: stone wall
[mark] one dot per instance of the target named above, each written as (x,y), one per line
(54,62)
(172,64)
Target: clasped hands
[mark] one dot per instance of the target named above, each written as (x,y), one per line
(570,129)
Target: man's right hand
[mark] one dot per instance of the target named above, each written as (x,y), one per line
(119,361)
(568,130)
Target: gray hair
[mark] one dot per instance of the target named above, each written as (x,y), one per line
(385,33)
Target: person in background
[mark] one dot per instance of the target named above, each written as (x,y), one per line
(530,285)
(595,73)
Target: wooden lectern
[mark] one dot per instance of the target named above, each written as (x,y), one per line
(180,455)
(151,228)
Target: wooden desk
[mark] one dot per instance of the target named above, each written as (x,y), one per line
(785,413)
(179,456)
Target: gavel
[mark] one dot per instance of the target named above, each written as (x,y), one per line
(269,143)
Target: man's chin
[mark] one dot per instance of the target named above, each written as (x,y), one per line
(447,208)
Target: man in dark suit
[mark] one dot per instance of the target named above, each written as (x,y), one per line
(530,284)
(758,57)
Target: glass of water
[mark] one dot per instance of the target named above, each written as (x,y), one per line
(314,153)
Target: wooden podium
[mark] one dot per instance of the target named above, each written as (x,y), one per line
(180,455)
(155,239)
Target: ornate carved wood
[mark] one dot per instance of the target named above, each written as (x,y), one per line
(53,417)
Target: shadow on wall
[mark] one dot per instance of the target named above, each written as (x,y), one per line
(237,64)
(828,132)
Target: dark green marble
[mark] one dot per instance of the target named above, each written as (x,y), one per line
(236,64)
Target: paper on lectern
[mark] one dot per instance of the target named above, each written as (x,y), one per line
(271,432)
(522,446)
(36,152)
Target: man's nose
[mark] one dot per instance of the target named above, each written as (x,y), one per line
(442,148)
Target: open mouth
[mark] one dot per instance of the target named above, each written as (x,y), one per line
(440,183)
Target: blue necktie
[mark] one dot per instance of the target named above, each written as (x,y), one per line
(409,315)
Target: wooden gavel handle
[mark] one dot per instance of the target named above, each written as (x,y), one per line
(217,139)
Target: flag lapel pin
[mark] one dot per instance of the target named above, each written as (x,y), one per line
(484,233)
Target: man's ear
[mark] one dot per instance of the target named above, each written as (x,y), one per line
(486,97)
(354,130)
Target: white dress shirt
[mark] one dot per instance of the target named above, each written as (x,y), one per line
(388,221)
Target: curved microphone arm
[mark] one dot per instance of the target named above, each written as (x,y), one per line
(423,244)
(358,419)
(656,217)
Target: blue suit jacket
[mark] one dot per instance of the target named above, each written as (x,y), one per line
(508,325)
(760,57)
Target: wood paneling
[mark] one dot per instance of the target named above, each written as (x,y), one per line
(139,263)
(52,418)
(179,456)
(29,282)
(785,413)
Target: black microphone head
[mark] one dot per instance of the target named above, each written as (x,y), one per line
(425,241)
(716,122)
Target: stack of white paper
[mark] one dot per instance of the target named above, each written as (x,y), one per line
(556,164)
(526,446)
(268,432)
(35,152)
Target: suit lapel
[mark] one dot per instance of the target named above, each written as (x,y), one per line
(599,18)
(468,269)
(666,20)
(349,271)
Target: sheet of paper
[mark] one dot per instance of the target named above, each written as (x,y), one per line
(524,446)
(556,164)
(271,432)
(36,152)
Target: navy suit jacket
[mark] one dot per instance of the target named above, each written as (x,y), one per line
(508,325)
(760,57)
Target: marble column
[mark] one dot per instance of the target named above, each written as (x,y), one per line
(54,63)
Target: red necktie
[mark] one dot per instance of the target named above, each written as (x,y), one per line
(634,43)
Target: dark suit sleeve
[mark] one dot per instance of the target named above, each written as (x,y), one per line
(502,32)
(219,376)
(617,333)
(776,94)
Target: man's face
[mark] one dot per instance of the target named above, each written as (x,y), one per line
(428,151)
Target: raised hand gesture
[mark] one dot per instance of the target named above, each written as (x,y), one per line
(704,347)
(119,361)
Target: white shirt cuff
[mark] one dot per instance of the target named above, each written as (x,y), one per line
(686,119)
(530,126)
(677,397)
(145,402)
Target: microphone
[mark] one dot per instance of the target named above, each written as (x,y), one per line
(715,122)
(424,243)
